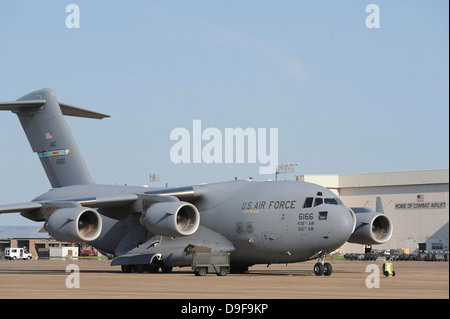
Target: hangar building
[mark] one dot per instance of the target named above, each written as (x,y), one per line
(416,202)
(34,238)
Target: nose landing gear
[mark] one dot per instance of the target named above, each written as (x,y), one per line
(323,268)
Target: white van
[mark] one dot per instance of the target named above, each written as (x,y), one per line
(17,253)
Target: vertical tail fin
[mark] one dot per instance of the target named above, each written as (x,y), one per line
(42,118)
(379,206)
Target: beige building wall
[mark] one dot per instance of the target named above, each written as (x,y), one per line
(417,203)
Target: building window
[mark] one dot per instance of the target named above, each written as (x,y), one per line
(437,246)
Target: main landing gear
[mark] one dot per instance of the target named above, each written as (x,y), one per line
(323,268)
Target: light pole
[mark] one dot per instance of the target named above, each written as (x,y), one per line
(154,178)
(284,168)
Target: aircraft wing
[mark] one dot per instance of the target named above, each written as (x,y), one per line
(20,208)
(136,203)
(93,202)
(103,201)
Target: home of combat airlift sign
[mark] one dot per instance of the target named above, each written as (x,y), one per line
(420,204)
(428,205)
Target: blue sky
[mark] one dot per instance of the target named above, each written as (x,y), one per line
(344,98)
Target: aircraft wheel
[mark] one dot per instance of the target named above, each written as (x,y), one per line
(127,269)
(153,269)
(239,269)
(166,269)
(318,269)
(139,269)
(327,269)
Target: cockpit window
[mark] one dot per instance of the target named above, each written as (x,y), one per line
(308,202)
(331,201)
(318,201)
(311,201)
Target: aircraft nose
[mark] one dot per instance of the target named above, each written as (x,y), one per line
(344,222)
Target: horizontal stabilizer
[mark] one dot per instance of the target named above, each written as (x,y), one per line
(70,110)
(34,105)
(17,105)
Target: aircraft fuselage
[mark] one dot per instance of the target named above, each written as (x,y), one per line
(258,222)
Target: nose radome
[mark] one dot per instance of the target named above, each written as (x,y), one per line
(344,224)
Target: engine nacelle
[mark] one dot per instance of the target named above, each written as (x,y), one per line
(75,224)
(371,228)
(171,219)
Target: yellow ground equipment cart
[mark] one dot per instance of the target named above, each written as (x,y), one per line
(388,269)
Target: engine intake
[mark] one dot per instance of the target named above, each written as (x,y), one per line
(371,228)
(172,219)
(75,224)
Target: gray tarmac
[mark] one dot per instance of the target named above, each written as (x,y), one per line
(42,279)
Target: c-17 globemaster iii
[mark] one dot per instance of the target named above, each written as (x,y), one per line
(159,228)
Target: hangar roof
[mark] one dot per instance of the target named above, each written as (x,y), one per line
(438,176)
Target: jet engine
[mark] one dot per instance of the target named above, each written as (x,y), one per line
(371,227)
(74,224)
(171,219)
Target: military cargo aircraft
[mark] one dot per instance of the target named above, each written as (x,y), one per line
(158,228)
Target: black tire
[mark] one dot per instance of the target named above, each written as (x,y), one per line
(153,269)
(166,269)
(327,269)
(201,271)
(127,269)
(139,269)
(318,269)
(222,272)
